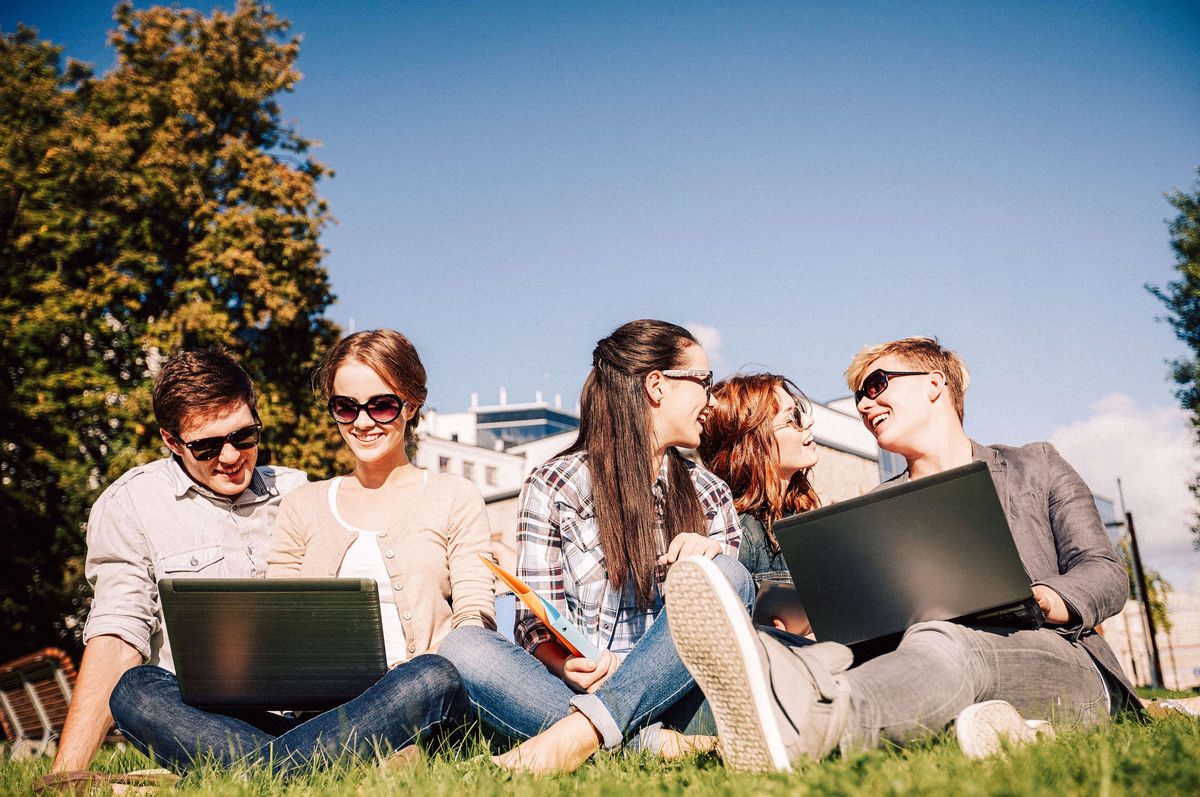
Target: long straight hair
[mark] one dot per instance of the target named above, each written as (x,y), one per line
(615,433)
(738,445)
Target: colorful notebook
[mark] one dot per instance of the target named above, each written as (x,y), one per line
(567,632)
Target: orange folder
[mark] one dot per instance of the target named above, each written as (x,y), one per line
(568,633)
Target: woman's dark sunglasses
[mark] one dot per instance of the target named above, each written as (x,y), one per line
(206,448)
(702,378)
(384,408)
(877,382)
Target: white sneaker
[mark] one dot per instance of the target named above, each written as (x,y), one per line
(984,729)
(772,704)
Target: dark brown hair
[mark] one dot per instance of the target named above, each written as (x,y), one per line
(199,384)
(387,353)
(739,446)
(614,431)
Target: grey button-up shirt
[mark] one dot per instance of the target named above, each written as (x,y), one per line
(155,522)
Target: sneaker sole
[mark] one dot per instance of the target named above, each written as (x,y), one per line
(983,729)
(713,636)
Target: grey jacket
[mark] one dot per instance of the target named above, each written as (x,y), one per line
(1062,543)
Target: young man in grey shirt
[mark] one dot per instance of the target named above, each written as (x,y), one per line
(776,702)
(205,511)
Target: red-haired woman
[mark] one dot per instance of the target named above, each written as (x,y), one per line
(758,438)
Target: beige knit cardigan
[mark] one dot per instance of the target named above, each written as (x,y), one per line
(431,551)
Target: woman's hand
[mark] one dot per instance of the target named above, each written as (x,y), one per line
(1053,605)
(586,676)
(689,544)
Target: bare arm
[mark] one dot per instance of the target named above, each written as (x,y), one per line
(105,659)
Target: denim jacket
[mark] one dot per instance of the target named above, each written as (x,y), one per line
(755,553)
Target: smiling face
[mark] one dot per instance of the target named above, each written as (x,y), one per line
(371,442)
(678,417)
(898,415)
(795,443)
(229,473)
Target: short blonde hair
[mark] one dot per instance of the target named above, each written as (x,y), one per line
(925,353)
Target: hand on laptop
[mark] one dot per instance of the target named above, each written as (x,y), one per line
(1053,605)
(689,544)
(584,675)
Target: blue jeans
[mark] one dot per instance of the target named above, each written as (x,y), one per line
(400,708)
(516,695)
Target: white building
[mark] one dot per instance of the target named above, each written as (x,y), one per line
(496,446)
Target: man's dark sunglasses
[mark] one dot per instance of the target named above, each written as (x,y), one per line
(206,448)
(877,382)
(384,408)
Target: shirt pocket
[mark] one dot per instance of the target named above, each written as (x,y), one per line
(205,561)
(579,529)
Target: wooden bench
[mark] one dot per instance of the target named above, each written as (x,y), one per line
(35,692)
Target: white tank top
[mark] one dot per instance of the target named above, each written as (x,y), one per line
(363,560)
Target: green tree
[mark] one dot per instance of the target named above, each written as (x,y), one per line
(1157,590)
(164,205)
(1182,298)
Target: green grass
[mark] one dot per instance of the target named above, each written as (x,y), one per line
(1126,758)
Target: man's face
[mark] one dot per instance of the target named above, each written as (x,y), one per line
(228,473)
(898,414)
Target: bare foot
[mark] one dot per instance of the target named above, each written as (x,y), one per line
(1174,706)
(560,748)
(402,760)
(673,744)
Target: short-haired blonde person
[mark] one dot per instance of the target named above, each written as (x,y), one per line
(1000,683)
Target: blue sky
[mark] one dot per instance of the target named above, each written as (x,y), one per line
(514,180)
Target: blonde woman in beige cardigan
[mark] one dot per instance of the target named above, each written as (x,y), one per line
(417,534)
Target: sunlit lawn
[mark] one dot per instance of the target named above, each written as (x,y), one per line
(1128,757)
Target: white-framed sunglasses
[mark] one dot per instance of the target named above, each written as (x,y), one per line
(703,378)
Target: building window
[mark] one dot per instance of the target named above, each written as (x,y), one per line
(469,470)
(443,464)
(489,475)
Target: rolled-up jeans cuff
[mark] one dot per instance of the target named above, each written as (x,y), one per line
(647,740)
(601,718)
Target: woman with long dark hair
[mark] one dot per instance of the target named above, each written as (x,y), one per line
(758,438)
(599,526)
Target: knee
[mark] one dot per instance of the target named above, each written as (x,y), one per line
(132,689)
(463,644)
(738,576)
(435,673)
(948,638)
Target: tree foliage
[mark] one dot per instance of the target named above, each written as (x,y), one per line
(1182,298)
(161,206)
(1157,589)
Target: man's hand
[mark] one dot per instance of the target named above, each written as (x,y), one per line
(1053,605)
(105,659)
(689,544)
(586,676)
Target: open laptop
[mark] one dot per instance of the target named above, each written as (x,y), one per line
(285,643)
(937,548)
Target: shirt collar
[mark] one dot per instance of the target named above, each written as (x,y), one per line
(661,480)
(259,490)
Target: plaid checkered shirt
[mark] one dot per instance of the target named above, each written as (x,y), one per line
(559,554)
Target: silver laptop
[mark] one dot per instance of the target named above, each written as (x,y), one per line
(937,548)
(286,643)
